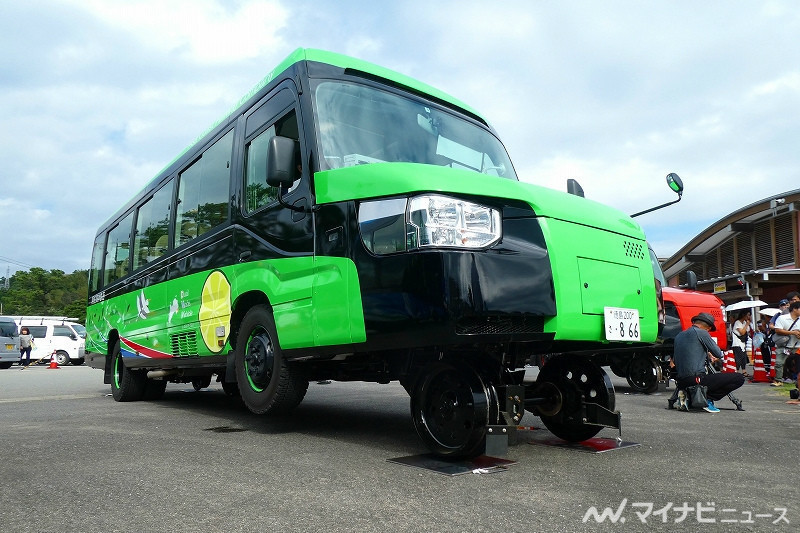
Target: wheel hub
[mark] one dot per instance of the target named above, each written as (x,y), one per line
(259,360)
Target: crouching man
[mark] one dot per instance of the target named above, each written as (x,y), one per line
(692,347)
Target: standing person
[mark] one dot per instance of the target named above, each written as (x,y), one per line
(25,346)
(740,333)
(692,347)
(783,305)
(788,324)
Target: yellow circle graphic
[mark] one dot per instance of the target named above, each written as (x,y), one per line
(215,311)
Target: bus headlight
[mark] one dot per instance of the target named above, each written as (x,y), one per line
(427,221)
(442,221)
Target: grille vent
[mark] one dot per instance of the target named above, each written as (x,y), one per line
(499,325)
(633,249)
(184,344)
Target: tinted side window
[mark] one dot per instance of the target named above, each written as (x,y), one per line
(152,226)
(96,268)
(203,192)
(257,192)
(62,331)
(8,329)
(117,263)
(38,332)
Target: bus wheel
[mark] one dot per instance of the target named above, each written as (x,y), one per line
(578,380)
(62,358)
(451,408)
(266,383)
(201,383)
(644,373)
(154,389)
(126,385)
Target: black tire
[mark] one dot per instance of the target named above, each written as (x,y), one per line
(266,382)
(201,383)
(77,362)
(62,358)
(577,379)
(643,374)
(451,408)
(6,365)
(126,385)
(154,389)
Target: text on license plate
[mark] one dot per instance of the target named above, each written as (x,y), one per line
(9,346)
(622,324)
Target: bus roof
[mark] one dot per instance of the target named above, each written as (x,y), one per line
(299,55)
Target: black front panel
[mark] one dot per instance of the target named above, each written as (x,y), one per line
(436,297)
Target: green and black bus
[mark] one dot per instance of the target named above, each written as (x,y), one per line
(347,222)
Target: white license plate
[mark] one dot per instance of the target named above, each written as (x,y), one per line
(622,324)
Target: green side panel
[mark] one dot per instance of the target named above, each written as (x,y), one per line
(388,179)
(287,283)
(596,291)
(338,313)
(593,269)
(315,301)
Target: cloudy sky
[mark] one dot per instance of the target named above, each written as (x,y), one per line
(96,96)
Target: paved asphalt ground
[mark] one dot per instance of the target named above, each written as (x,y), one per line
(75,460)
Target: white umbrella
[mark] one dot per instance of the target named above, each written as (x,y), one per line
(745,304)
(769,311)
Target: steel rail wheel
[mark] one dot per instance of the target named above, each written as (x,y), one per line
(451,408)
(126,385)
(644,373)
(578,380)
(266,383)
(199,384)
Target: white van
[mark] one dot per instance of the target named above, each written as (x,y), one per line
(9,342)
(59,334)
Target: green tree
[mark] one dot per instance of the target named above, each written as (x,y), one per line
(42,292)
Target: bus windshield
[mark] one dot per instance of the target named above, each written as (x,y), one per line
(358,124)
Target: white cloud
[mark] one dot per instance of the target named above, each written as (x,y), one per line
(789,82)
(204,30)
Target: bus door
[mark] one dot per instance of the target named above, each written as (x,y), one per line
(275,240)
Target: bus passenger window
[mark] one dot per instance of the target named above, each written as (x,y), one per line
(152,226)
(203,192)
(118,250)
(96,268)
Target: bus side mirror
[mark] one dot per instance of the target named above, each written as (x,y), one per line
(280,162)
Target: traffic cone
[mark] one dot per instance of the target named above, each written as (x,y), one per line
(759,373)
(730,362)
(53,362)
